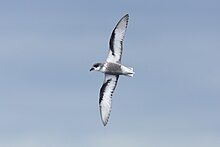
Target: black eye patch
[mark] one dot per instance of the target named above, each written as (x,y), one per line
(96,65)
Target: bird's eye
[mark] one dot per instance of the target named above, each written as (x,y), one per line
(96,65)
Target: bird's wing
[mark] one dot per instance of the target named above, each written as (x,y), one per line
(116,40)
(105,96)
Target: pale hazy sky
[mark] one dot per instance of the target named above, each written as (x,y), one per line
(48,97)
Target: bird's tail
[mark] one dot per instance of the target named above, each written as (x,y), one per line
(131,72)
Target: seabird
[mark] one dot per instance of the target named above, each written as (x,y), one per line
(112,68)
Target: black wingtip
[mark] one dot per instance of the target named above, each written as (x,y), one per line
(126,15)
(104,124)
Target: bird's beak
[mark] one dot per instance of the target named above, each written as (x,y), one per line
(91,69)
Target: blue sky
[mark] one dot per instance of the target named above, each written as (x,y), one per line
(48,97)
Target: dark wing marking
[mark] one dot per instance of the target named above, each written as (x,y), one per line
(116,40)
(105,96)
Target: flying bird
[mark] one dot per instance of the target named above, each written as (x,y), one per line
(112,68)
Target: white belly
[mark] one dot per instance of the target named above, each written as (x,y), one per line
(117,69)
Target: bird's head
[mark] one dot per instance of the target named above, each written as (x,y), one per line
(96,67)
